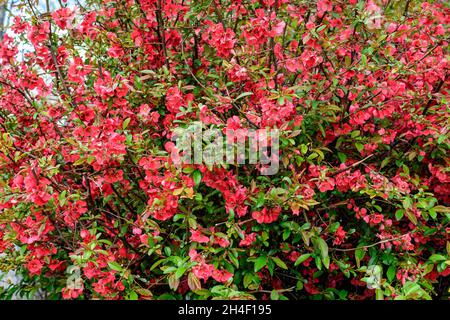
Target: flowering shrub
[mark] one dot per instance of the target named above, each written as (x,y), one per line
(92,204)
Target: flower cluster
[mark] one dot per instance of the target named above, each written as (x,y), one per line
(91,97)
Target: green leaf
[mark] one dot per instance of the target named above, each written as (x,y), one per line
(348,61)
(173,282)
(197,176)
(194,282)
(355,133)
(248,279)
(302,259)
(321,28)
(379,294)
(384,162)
(133,296)
(279,262)
(157,263)
(359,255)
(144,292)
(323,247)
(359,146)
(312,156)
(178,216)
(274,295)
(407,203)
(411,216)
(432,213)
(399,214)
(442,209)
(115,266)
(243,95)
(304,149)
(326,261)
(138,82)
(180,271)
(126,123)
(364,59)
(62,198)
(318,262)
(391,272)
(233,259)
(260,263)
(342,157)
(437,258)
(188,170)
(410,288)
(333,227)
(270,266)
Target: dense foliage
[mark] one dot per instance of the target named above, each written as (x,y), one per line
(92,205)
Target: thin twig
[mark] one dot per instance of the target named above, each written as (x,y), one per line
(352,166)
(370,245)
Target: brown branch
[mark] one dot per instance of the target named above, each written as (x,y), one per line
(352,166)
(161,32)
(370,245)
(435,90)
(129,207)
(59,73)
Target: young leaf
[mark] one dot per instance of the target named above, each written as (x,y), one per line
(279,262)
(260,263)
(302,259)
(197,176)
(115,266)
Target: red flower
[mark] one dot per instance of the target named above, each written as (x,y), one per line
(310,288)
(174,99)
(248,240)
(34,266)
(221,39)
(376,218)
(68,293)
(197,236)
(266,216)
(339,236)
(63,17)
(203,270)
(221,275)
(149,163)
(326,185)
